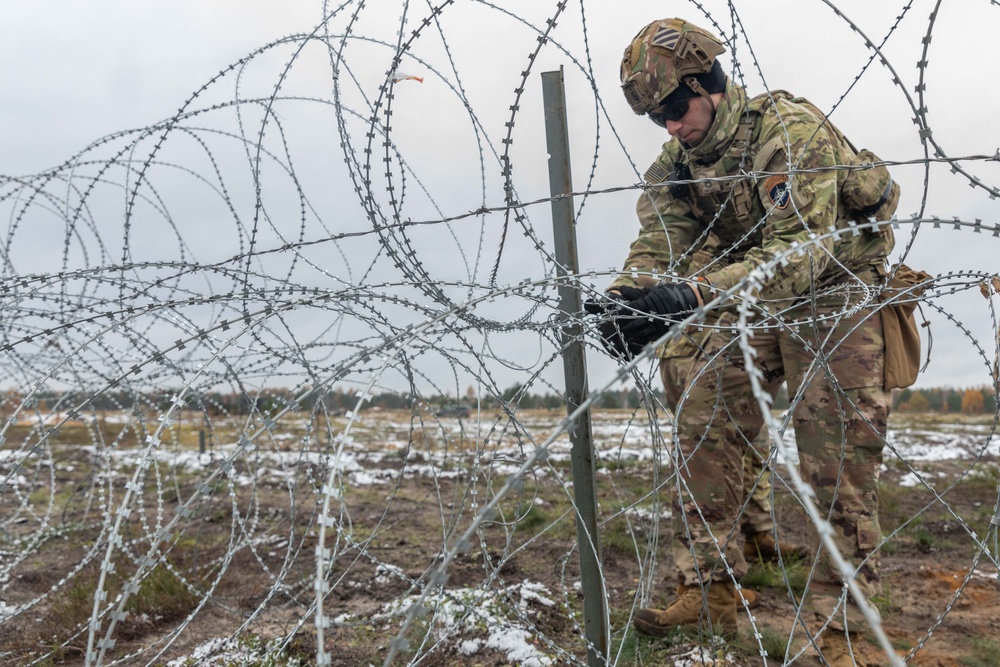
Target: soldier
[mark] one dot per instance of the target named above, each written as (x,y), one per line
(813,326)
(757,517)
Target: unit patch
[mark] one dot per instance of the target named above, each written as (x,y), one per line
(776,188)
(666,37)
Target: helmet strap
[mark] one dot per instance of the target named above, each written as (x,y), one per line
(693,84)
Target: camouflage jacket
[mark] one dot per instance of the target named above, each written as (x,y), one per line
(750,195)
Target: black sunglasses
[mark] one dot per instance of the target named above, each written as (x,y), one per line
(672,111)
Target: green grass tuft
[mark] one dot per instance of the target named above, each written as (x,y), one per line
(987,653)
(773,642)
(771,575)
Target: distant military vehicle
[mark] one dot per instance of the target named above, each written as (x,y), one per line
(457,410)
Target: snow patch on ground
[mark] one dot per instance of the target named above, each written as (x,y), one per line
(6,611)
(228,652)
(476,619)
(916,478)
(363,458)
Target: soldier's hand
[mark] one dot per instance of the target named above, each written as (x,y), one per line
(661,304)
(612,312)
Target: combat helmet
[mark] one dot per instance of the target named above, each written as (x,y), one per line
(665,54)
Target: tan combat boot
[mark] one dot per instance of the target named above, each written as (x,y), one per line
(762,547)
(689,611)
(838,653)
(751,596)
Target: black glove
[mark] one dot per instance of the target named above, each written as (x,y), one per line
(613,313)
(660,303)
(612,302)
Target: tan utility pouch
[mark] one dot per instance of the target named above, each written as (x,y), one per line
(899,326)
(870,192)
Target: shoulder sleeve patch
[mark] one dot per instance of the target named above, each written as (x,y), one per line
(777,190)
(657,173)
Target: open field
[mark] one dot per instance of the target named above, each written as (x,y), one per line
(212,558)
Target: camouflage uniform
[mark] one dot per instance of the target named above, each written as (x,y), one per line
(757,515)
(840,415)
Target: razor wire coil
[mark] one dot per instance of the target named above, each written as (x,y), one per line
(242,312)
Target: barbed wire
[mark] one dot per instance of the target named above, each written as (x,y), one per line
(206,319)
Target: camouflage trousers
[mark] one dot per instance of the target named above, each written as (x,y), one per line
(758,515)
(832,362)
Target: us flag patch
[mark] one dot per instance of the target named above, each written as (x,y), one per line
(666,37)
(776,188)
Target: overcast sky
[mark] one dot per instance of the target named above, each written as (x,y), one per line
(75,72)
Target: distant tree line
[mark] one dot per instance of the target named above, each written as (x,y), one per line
(971,401)
(517,397)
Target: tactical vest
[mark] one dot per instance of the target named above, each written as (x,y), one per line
(730,207)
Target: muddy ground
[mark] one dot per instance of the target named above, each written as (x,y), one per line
(244,565)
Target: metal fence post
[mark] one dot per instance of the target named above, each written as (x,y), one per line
(595,614)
